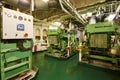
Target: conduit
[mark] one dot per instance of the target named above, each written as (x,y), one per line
(71,10)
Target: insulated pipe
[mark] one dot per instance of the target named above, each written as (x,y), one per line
(38,4)
(63,7)
(78,16)
(71,10)
(80,52)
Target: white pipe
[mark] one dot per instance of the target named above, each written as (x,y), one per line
(68,53)
(31,6)
(80,53)
(68,3)
(80,56)
(79,16)
(72,11)
(63,7)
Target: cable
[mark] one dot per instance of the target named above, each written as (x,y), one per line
(22,47)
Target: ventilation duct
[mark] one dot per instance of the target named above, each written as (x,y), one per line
(38,4)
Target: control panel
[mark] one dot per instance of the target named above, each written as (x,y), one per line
(16,25)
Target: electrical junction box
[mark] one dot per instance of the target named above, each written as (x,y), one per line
(16,25)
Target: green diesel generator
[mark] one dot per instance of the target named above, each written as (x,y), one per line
(62,43)
(103,42)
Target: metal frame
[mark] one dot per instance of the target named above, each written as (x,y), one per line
(13,61)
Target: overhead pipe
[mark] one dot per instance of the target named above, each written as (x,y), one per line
(75,13)
(38,4)
(72,11)
(63,7)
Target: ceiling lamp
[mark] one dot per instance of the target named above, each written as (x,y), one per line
(45,0)
(57,23)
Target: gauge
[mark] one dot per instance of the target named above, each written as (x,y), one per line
(5,13)
(9,15)
(25,19)
(15,17)
(20,18)
(29,20)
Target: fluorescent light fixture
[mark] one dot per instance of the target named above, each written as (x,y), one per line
(53,28)
(57,23)
(83,15)
(45,0)
(89,14)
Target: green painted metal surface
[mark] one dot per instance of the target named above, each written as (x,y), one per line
(12,60)
(101,27)
(58,39)
(54,69)
(100,42)
(113,60)
(52,32)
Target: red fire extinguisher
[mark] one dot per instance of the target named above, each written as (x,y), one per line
(35,48)
(67,48)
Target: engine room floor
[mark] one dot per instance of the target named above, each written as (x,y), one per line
(54,69)
(101,64)
(59,56)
